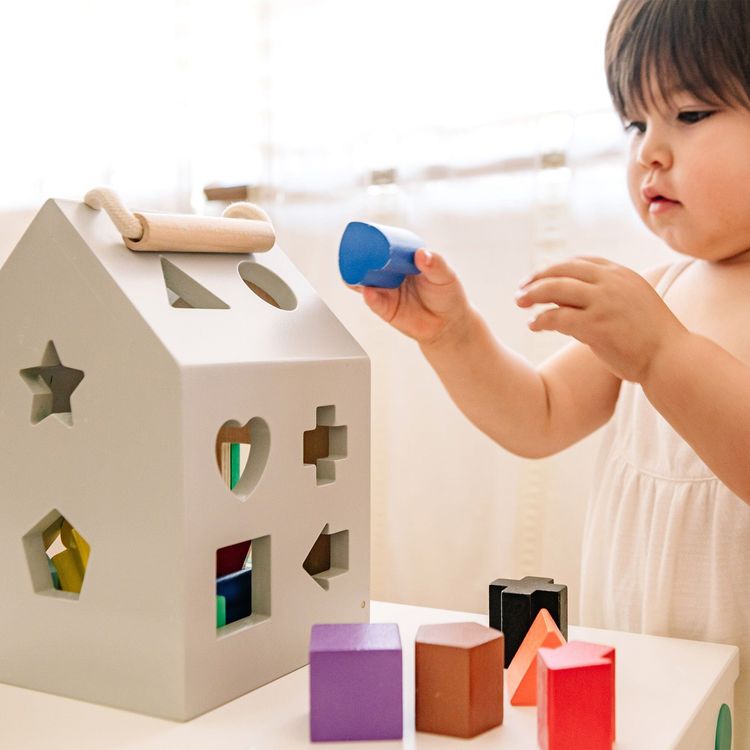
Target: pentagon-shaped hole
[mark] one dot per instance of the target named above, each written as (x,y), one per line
(242,453)
(243,585)
(264,283)
(58,556)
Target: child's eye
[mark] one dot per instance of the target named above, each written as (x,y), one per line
(636,125)
(692,117)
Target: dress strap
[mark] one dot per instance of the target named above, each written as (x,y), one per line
(670,275)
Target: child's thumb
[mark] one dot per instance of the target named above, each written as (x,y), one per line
(433,267)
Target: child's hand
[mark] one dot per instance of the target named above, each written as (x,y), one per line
(427,305)
(612,309)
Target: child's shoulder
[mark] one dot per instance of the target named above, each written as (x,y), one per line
(712,300)
(655,274)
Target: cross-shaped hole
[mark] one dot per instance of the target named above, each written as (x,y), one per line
(325,445)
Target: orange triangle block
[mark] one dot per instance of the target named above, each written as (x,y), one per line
(520,677)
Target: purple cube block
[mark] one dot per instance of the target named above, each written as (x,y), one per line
(356,690)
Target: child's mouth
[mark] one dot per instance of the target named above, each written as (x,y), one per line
(659,204)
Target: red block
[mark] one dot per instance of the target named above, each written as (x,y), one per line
(231,559)
(576,697)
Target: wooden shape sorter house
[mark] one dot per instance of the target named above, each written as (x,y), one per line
(125,377)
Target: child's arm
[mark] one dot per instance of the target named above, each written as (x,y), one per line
(701,389)
(529,412)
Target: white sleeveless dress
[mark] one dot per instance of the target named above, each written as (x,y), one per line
(666,545)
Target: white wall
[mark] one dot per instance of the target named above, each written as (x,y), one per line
(12,225)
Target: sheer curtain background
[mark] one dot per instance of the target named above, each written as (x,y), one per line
(483,126)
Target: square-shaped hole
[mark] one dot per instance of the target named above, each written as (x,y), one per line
(243,584)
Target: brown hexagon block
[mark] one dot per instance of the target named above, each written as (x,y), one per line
(459,679)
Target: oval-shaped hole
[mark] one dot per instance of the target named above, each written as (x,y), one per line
(241,454)
(267,285)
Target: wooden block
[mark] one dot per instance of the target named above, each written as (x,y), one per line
(54,575)
(723,735)
(69,570)
(576,684)
(459,679)
(237,589)
(356,690)
(521,676)
(515,604)
(52,532)
(231,433)
(74,541)
(377,255)
(232,558)
(221,611)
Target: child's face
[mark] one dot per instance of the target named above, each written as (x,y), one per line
(699,157)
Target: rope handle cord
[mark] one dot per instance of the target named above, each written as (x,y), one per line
(242,228)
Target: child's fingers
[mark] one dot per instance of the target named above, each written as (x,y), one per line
(597,259)
(433,267)
(560,319)
(382,302)
(560,291)
(583,270)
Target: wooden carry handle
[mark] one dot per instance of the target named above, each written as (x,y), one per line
(243,228)
(202,234)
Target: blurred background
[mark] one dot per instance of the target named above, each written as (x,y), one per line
(482,125)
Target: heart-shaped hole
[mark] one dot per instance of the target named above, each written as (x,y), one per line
(242,453)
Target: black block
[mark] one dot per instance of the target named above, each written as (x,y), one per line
(514,606)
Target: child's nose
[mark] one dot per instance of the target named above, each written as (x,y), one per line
(654,150)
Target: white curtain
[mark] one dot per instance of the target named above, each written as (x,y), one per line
(363,86)
(451,510)
(483,125)
(152,98)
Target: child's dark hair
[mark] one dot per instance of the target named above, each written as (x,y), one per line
(656,48)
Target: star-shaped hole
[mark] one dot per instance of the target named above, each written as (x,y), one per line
(52,385)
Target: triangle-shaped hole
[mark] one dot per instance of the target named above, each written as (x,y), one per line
(183,291)
(328,557)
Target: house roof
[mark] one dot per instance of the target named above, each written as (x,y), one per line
(228,322)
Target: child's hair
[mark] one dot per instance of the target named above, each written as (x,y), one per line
(656,48)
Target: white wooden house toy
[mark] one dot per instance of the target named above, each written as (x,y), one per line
(184,463)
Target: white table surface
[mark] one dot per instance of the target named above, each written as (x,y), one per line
(660,682)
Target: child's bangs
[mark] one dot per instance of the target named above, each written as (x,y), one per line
(658,48)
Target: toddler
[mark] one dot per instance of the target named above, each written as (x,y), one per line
(663,359)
